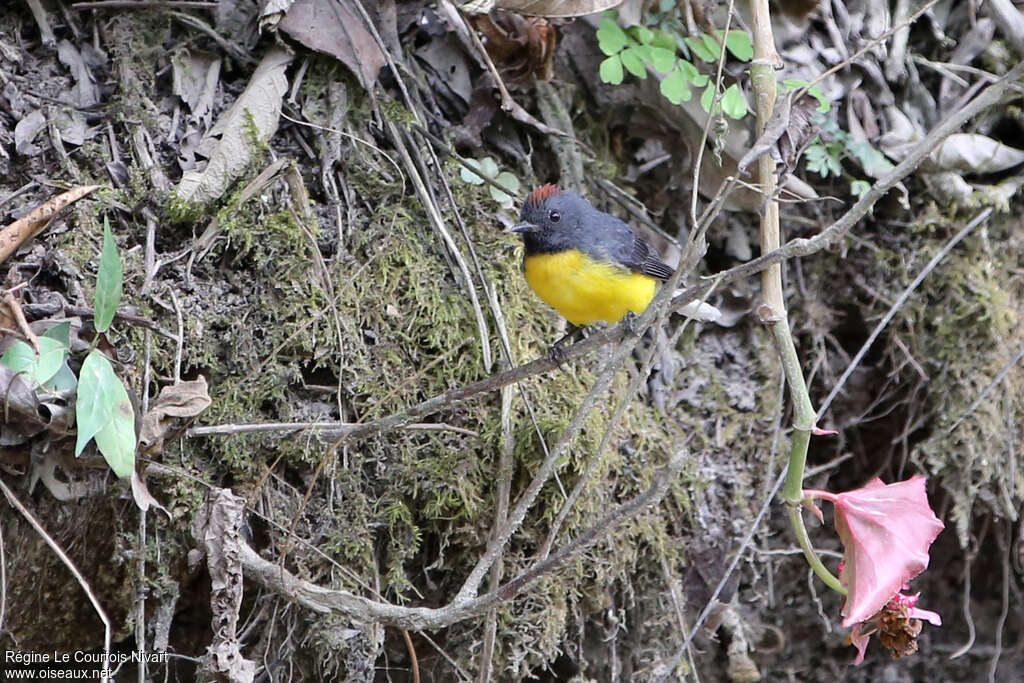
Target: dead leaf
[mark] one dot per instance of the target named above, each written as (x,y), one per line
(19,408)
(335,28)
(557,8)
(26,131)
(85,94)
(194,76)
(185,399)
(228,145)
(27,227)
(974,153)
(143,498)
(522,46)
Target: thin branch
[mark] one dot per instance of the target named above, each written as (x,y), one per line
(325,600)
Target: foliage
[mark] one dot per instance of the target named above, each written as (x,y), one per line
(636,48)
(834,145)
(487,167)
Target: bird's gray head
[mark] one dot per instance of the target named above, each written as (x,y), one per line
(552,220)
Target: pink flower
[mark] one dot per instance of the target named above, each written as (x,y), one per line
(886,530)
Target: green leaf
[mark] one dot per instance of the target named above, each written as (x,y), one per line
(507,180)
(714,46)
(489,167)
(734,104)
(471,177)
(664,40)
(60,332)
(739,44)
(633,62)
(22,358)
(104,411)
(859,188)
(676,87)
(662,59)
(610,37)
(708,97)
(699,49)
(108,281)
(611,70)
(64,380)
(643,35)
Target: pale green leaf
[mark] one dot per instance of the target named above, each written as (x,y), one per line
(708,97)
(116,439)
(610,37)
(103,400)
(664,40)
(108,281)
(643,35)
(633,62)
(611,70)
(662,60)
(734,104)
(859,188)
(739,44)
(700,49)
(508,180)
(489,167)
(472,177)
(676,87)
(22,358)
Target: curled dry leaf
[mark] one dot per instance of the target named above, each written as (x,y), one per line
(557,8)
(522,46)
(228,145)
(27,227)
(974,153)
(185,399)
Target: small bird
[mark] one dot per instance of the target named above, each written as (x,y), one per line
(586,264)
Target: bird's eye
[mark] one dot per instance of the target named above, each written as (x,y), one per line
(554,216)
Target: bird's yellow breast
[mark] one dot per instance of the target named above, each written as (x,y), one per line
(584,290)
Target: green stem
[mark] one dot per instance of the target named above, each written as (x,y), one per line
(796,521)
(773,310)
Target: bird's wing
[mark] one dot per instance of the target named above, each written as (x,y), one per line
(643,258)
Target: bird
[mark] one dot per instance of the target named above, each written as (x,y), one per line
(586,264)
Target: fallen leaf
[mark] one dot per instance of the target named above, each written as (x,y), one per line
(228,145)
(185,399)
(334,27)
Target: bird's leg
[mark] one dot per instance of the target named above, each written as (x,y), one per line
(629,323)
(557,352)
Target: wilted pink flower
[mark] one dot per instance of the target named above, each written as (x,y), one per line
(886,531)
(897,624)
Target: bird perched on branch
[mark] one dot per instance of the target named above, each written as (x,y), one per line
(586,264)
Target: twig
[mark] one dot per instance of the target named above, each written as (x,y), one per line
(1004,544)
(413,662)
(19,318)
(325,600)
(898,304)
(996,381)
(59,552)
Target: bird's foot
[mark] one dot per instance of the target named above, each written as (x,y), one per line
(557,352)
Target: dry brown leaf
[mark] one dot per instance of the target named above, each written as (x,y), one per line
(335,28)
(185,399)
(557,8)
(27,227)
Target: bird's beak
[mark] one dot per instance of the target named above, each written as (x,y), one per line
(523,227)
